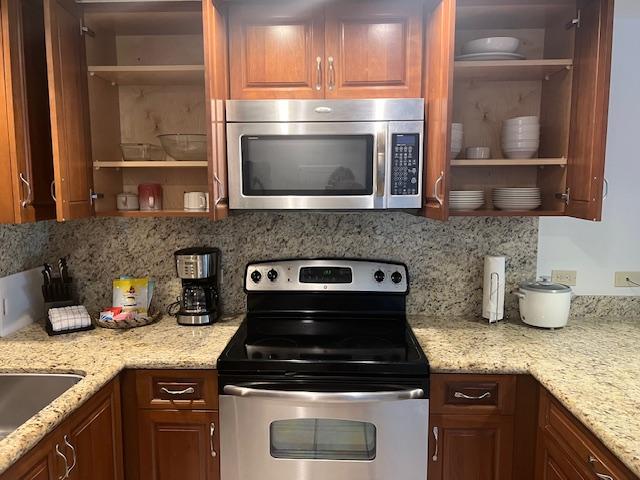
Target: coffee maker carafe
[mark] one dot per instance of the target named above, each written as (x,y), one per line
(200,270)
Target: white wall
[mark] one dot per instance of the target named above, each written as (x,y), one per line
(597,250)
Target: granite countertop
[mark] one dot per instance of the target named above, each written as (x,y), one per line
(591,366)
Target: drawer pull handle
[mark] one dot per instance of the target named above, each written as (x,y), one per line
(66,463)
(212,432)
(601,476)
(187,390)
(435,452)
(471,397)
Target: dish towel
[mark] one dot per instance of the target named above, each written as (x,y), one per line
(69,318)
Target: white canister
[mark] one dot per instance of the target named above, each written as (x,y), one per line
(544,304)
(127,201)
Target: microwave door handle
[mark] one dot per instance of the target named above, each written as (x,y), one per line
(324,397)
(380,162)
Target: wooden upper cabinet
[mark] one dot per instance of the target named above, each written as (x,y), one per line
(590,104)
(68,96)
(276,51)
(26,164)
(374,49)
(438,94)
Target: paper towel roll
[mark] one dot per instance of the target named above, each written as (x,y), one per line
(493,288)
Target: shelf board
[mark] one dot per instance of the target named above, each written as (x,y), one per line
(152,213)
(500,162)
(150,74)
(510,69)
(505,213)
(152,164)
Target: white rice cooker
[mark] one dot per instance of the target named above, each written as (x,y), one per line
(544,304)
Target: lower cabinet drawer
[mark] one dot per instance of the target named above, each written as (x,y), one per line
(179,389)
(588,452)
(464,394)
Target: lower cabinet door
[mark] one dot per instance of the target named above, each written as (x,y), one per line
(553,462)
(477,447)
(93,441)
(178,444)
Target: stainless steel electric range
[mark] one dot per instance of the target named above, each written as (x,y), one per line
(324,379)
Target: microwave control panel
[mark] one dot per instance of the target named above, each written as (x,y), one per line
(405,151)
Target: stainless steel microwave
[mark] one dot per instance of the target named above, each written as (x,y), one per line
(325,154)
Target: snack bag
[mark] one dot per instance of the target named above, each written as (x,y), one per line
(132,294)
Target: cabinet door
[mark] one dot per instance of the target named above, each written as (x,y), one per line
(40,463)
(470,446)
(7,203)
(178,444)
(374,49)
(438,93)
(553,462)
(276,51)
(589,108)
(68,99)
(93,438)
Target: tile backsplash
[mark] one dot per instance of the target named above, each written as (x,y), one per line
(445,259)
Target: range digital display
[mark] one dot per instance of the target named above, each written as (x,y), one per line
(326,275)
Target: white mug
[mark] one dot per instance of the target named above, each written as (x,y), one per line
(127,201)
(196,201)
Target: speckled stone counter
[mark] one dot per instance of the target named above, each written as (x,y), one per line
(591,366)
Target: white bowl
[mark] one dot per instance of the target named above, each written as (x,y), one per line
(491,45)
(520,155)
(457,126)
(520,136)
(478,152)
(528,120)
(524,145)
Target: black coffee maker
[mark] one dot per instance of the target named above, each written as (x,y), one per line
(200,270)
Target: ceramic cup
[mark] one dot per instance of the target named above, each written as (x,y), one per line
(127,201)
(196,201)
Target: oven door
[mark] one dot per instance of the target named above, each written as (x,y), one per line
(329,165)
(303,435)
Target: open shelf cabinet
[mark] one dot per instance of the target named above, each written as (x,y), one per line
(563,79)
(146,78)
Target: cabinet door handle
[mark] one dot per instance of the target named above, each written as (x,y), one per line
(435,437)
(66,464)
(472,397)
(27,201)
(221,193)
(436,189)
(332,74)
(52,189)
(73,450)
(212,432)
(601,476)
(178,392)
(606,189)
(318,73)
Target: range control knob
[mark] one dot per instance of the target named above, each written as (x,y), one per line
(396,277)
(256,276)
(272,275)
(379,276)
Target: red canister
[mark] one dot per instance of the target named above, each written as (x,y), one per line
(150,196)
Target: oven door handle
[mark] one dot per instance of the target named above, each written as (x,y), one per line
(324,397)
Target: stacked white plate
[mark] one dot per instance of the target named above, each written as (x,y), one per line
(517,198)
(466,199)
(457,134)
(521,137)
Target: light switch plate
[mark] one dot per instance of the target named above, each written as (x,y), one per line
(565,277)
(632,282)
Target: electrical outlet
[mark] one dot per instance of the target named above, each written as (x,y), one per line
(565,277)
(627,279)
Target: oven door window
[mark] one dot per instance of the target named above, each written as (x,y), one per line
(307,165)
(323,439)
